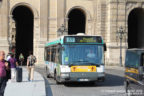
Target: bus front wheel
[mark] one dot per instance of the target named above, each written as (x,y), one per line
(57,79)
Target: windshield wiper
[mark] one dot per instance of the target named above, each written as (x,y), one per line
(78,61)
(94,64)
(73,63)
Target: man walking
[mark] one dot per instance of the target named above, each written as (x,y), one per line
(30,65)
(4,67)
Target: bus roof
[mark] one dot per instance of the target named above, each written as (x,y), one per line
(136,50)
(61,39)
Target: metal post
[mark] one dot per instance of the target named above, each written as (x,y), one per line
(62,29)
(120,34)
(120,49)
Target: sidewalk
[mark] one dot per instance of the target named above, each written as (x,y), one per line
(25,88)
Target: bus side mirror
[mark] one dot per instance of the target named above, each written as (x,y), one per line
(105,47)
(60,46)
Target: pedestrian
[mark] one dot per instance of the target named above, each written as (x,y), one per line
(21,59)
(4,68)
(13,64)
(31,60)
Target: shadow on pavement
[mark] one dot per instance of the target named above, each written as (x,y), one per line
(48,88)
(110,80)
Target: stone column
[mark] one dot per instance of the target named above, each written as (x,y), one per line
(4,26)
(52,18)
(116,18)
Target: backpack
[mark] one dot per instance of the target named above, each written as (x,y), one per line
(32,60)
(21,57)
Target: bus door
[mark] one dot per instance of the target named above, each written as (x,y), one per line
(58,60)
(47,57)
(53,57)
(50,62)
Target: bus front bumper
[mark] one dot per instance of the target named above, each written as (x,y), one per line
(82,76)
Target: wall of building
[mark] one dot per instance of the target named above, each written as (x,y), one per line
(116,19)
(4,27)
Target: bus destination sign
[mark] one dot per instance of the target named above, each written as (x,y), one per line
(83,39)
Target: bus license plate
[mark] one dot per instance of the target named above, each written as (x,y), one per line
(83,80)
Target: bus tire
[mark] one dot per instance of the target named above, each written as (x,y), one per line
(103,79)
(54,75)
(57,82)
(57,79)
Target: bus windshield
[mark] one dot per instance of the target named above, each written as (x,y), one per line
(82,54)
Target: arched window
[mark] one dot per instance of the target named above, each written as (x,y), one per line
(77,21)
(23,17)
(136,28)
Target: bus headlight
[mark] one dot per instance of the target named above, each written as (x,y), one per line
(65,68)
(101,68)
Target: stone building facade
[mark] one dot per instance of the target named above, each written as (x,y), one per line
(25,23)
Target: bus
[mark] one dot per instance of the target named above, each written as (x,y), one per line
(134,72)
(75,58)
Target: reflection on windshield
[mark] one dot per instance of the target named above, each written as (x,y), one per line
(82,54)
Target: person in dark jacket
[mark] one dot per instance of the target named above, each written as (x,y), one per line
(4,68)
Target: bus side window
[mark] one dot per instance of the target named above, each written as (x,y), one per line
(48,54)
(45,54)
(53,54)
(58,54)
(132,60)
(127,59)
